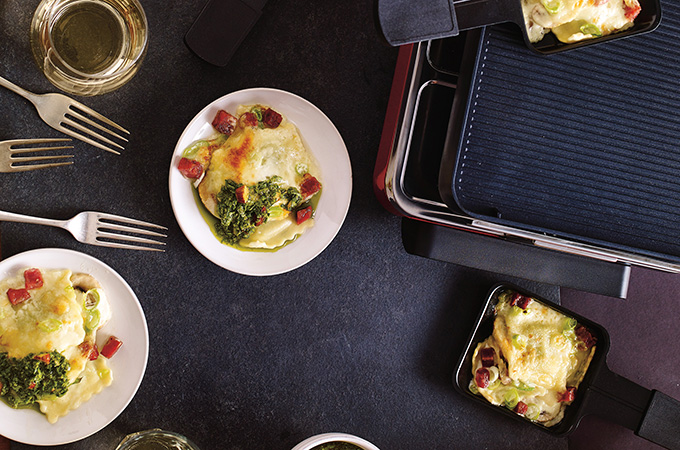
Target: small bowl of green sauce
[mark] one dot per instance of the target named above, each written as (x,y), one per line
(335,441)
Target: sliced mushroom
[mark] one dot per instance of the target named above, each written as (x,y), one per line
(84,281)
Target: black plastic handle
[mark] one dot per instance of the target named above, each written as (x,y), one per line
(661,423)
(617,399)
(653,415)
(516,259)
(407,21)
(221,27)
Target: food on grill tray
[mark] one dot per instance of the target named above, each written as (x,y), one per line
(575,20)
(534,360)
(256,177)
(48,352)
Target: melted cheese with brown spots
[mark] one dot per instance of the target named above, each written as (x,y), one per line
(538,357)
(253,154)
(53,319)
(566,18)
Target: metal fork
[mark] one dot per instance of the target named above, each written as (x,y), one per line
(89,227)
(69,116)
(10,162)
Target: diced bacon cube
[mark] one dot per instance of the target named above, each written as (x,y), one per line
(190,168)
(487,355)
(482,377)
(309,186)
(17,296)
(521,408)
(271,118)
(304,214)
(224,122)
(33,278)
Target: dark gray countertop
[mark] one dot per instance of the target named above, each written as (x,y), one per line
(364,338)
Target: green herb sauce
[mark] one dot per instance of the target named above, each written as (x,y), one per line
(28,379)
(212,223)
(337,446)
(239,220)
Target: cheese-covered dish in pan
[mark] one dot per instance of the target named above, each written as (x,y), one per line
(256,177)
(48,331)
(534,360)
(576,20)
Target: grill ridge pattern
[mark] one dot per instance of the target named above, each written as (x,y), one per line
(582,145)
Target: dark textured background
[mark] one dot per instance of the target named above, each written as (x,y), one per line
(364,338)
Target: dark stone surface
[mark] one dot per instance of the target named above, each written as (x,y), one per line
(363,339)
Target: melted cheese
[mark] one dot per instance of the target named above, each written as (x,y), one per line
(61,300)
(275,233)
(251,155)
(566,20)
(55,300)
(538,360)
(94,377)
(548,356)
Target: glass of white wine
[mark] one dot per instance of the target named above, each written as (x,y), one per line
(89,47)
(156,439)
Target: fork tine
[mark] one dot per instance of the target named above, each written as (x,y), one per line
(77,115)
(116,227)
(69,121)
(14,142)
(125,237)
(125,224)
(16,161)
(23,159)
(83,138)
(96,115)
(17,151)
(127,246)
(127,220)
(28,167)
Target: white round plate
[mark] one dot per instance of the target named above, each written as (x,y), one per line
(323,141)
(326,438)
(128,364)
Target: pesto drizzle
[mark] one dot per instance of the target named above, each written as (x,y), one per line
(28,379)
(336,445)
(238,220)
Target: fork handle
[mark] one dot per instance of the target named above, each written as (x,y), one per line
(18,90)
(13,217)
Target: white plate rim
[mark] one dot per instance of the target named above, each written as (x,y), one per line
(333,204)
(128,365)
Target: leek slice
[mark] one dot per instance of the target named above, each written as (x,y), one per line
(92,319)
(50,325)
(92,299)
(191,151)
(519,341)
(552,6)
(591,29)
(511,398)
(533,411)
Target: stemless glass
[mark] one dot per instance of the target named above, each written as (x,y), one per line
(156,439)
(89,47)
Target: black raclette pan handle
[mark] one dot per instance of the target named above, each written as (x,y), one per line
(651,414)
(407,21)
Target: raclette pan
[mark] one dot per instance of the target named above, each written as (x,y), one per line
(407,21)
(651,414)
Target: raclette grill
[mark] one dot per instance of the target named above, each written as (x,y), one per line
(561,169)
